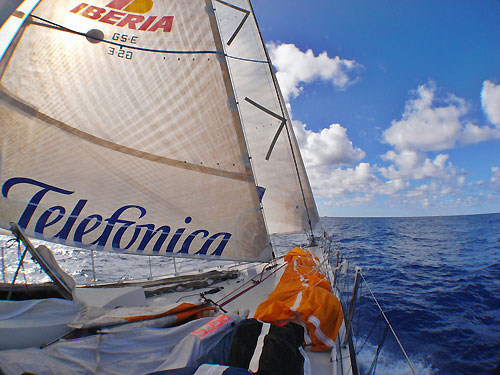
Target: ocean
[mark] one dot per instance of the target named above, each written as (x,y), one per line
(436,278)
(438,281)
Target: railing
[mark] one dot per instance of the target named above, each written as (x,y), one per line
(354,292)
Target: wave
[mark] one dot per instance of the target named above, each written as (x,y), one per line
(391,363)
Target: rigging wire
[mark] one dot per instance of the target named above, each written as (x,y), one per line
(8,244)
(22,263)
(3,265)
(390,326)
(93,265)
(360,295)
(369,333)
(150,270)
(378,322)
(373,366)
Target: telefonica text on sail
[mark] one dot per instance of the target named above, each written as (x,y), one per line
(114,232)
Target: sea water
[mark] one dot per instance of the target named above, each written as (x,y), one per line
(438,281)
(436,278)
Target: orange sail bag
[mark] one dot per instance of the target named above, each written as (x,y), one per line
(303,295)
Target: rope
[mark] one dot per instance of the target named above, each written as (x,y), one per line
(316,268)
(390,326)
(235,294)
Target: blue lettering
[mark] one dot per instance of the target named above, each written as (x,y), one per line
(176,236)
(114,219)
(81,229)
(64,232)
(189,240)
(220,248)
(35,199)
(137,230)
(90,223)
(41,224)
(150,233)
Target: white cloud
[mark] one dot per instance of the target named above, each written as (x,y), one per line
(352,186)
(490,100)
(461,180)
(495,175)
(356,200)
(475,134)
(428,123)
(338,182)
(295,67)
(331,146)
(424,127)
(416,166)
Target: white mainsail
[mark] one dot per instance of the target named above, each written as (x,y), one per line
(120,131)
(288,202)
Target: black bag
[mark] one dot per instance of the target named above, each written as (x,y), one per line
(267,349)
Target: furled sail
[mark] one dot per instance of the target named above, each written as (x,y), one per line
(120,131)
(288,201)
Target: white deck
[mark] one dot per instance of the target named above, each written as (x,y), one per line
(254,284)
(321,362)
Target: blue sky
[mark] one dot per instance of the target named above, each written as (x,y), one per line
(395,103)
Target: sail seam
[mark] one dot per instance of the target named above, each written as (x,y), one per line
(33,112)
(56,26)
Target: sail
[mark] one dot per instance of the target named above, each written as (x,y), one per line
(288,201)
(120,132)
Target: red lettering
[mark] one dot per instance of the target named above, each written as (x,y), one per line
(148,23)
(93,12)
(200,333)
(164,23)
(131,20)
(118,4)
(110,17)
(211,326)
(79,8)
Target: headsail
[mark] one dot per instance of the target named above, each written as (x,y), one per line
(120,131)
(288,201)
